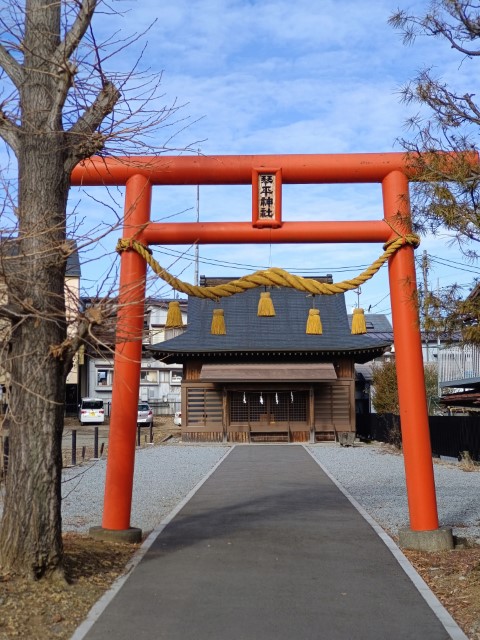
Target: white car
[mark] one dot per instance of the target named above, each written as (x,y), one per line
(177,419)
(144,415)
(91,411)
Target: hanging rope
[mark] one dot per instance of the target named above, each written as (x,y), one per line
(270,277)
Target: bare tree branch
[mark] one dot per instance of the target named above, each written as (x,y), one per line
(83,140)
(447,195)
(76,32)
(9,132)
(10,313)
(11,67)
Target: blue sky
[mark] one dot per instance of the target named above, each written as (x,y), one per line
(261,77)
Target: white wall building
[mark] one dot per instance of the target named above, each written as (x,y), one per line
(160,383)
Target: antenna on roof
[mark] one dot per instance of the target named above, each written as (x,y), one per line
(359,291)
(358,320)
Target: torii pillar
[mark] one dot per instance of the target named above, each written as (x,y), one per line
(128,359)
(424,533)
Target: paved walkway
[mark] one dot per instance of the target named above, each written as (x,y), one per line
(268,549)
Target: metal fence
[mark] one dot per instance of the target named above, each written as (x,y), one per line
(459,362)
(159,408)
(450,435)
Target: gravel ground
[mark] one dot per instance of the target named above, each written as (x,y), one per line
(164,475)
(376,479)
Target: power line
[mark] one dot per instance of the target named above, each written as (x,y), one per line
(243,266)
(372,306)
(452,264)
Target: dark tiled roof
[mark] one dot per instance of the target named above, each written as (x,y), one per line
(9,249)
(283,333)
(163,302)
(376,323)
(467,399)
(73,265)
(475,292)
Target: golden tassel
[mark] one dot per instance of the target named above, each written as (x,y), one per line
(265,305)
(358,322)
(314,324)
(218,323)
(174,315)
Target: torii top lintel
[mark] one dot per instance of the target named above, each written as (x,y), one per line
(238,170)
(193,170)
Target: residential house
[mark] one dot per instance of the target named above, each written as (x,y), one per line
(160,383)
(72,301)
(378,326)
(435,350)
(459,368)
(266,379)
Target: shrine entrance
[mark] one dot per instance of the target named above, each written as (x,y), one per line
(273,409)
(265,174)
(270,416)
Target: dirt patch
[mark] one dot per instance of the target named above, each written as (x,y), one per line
(48,610)
(163,429)
(454,577)
(45,610)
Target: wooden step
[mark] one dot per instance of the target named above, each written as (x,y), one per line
(269,437)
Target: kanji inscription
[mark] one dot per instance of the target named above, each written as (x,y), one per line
(266,196)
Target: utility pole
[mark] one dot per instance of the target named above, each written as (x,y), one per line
(196,252)
(425,267)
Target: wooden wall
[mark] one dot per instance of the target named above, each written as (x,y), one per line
(205,411)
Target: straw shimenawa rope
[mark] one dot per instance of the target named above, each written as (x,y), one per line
(270,277)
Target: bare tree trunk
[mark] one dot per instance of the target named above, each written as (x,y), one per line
(30,535)
(32,516)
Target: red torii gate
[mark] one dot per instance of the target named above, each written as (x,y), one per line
(139,174)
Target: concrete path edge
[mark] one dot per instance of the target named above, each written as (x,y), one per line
(431,599)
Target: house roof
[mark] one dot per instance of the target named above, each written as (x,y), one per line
(163,302)
(463,399)
(378,325)
(364,371)
(9,249)
(73,265)
(105,332)
(284,334)
(475,292)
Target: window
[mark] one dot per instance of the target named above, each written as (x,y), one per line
(176,377)
(92,404)
(104,377)
(149,376)
(164,376)
(173,333)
